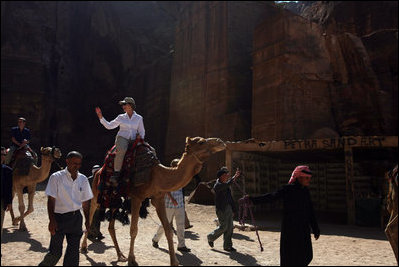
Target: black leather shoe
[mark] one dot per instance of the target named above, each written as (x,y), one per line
(92,238)
(230,249)
(155,244)
(184,249)
(210,243)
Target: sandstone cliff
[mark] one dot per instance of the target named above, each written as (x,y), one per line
(235,70)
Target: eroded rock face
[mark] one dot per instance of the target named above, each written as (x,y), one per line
(234,70)
(210,92)
(62,59)
(320,73)
(297,7)
(366,79)
(291,79)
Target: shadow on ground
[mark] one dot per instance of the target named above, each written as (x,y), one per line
(243,259)
(272,223)
(14,235)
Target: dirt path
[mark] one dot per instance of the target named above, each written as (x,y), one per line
(338,244)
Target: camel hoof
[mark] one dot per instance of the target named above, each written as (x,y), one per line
(176,263)
(122,258)
(83,250)
(132,263)
(23,229)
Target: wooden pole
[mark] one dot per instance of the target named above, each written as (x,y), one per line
(229,162)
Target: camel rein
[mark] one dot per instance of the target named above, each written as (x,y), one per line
(59,166)
(198,159)
(245,204)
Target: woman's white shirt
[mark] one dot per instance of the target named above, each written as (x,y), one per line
(128,127)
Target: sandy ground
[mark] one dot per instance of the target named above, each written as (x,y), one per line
(338,244)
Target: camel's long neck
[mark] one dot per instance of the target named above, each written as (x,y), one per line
(178,177)
(44,170)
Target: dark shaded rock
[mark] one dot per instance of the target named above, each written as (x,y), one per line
(233,70)
(210,92)
(62,59)
(297,7)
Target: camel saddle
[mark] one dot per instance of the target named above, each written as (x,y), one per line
(139,159)
(22,160)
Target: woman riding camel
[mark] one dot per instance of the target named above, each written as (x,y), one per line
(131,126)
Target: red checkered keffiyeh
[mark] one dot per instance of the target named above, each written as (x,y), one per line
(300,171)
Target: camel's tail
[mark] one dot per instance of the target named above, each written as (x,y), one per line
(143,209)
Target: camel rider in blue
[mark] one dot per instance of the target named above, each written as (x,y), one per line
(20,136)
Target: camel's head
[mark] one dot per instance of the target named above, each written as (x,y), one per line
(392,175)
(55,152)
(202,147)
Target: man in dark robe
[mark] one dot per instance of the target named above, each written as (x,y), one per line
(298,218)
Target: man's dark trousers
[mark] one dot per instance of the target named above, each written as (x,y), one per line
(69,225)
(225,218)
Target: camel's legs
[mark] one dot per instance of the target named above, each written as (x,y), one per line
(14,222)
(391,232)
(21,207)
(111,230)
(159,203)
(93,207)
(135,207)
(31,195)
(23,213)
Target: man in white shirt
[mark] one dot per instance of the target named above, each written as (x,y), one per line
(68,191)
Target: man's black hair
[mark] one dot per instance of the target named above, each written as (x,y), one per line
(222,171)
(74,154)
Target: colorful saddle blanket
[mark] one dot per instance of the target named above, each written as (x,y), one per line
(136,170)
(22,160)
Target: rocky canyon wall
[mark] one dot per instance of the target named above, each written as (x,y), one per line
(210,93)
(330,72)
(62,59)
(228,69)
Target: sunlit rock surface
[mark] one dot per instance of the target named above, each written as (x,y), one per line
(235,70)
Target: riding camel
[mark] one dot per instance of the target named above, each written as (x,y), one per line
(163,179)
(30,179)
(391,229)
